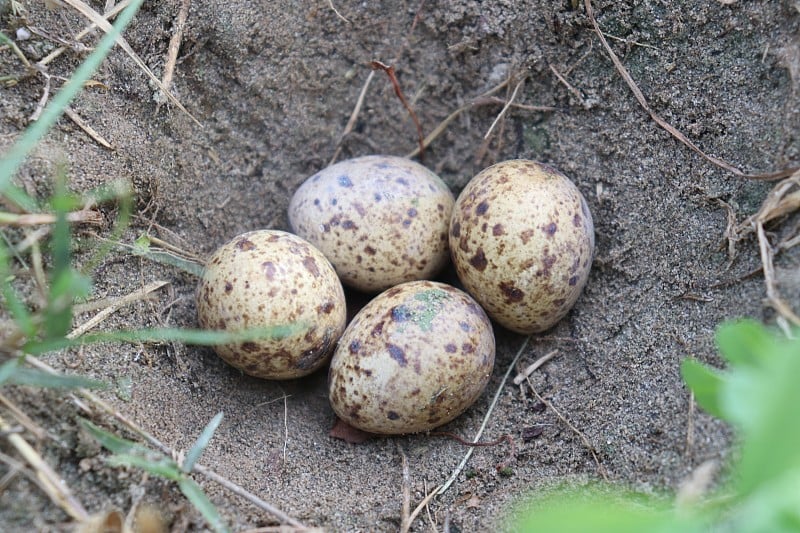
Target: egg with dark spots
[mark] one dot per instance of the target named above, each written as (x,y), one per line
(275,281)
(522,242)
(414,358)
(380,220)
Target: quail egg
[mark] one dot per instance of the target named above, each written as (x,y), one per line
(273,279)
(380,220)
(415,357)
(522,240)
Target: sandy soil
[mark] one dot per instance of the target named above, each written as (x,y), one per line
(273,84)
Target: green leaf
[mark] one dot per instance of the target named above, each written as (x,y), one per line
(14,158)
(706,384)
(591,511)
(743,342)
(764,403)
(195,494)
(202,442)
(40,378)
(157,465)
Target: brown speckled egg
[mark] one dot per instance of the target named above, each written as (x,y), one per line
(415,357)
(380,220)
(522,241)
(271,278)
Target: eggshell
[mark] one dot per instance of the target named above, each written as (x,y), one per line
(522,240)
(414,358)
(271,278)
(380,220)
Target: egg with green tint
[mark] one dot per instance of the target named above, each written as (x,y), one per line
(380,220)
(414,358)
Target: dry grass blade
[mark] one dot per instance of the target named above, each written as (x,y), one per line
(773,296)
(530,369)
(103,24)
(579,433)
(114,306)
(503,111)
(83,33)
(50,482)
(175,44)
(210,474)
(666,125)
(405,512)
(443,488)
(23,419)
(351,122)
(90,131)
(330,3)
(85,216)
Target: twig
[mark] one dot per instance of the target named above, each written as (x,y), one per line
(84,216)
(503,111)
(85,10)
(175,45)
(586,441)
(423,504)
(114,306)
(405,511)
(83,33)
(389,70)
(575,92)
(285,425)
(330,3)
(353,117)
(666,125)
(210,474)
(23,419)
(512,453)
(463,463)
(90,131)
(773,296)
(50,482)
(530,369)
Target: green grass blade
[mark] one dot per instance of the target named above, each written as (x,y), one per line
(195,494)
(142,248)
(58,313)
(198,337)
(40,378)
(193,455)
(16,307)
(111,442)
(9,368)
(153,464)
(14,158)
(706,385)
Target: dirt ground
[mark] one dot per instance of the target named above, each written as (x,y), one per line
(273,84)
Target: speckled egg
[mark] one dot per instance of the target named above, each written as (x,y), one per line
(415,357)
(522,241)
(271,278)
(380,220)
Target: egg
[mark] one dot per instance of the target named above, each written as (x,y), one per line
(415,357)
(522,241)
(273,279)
(380,220)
